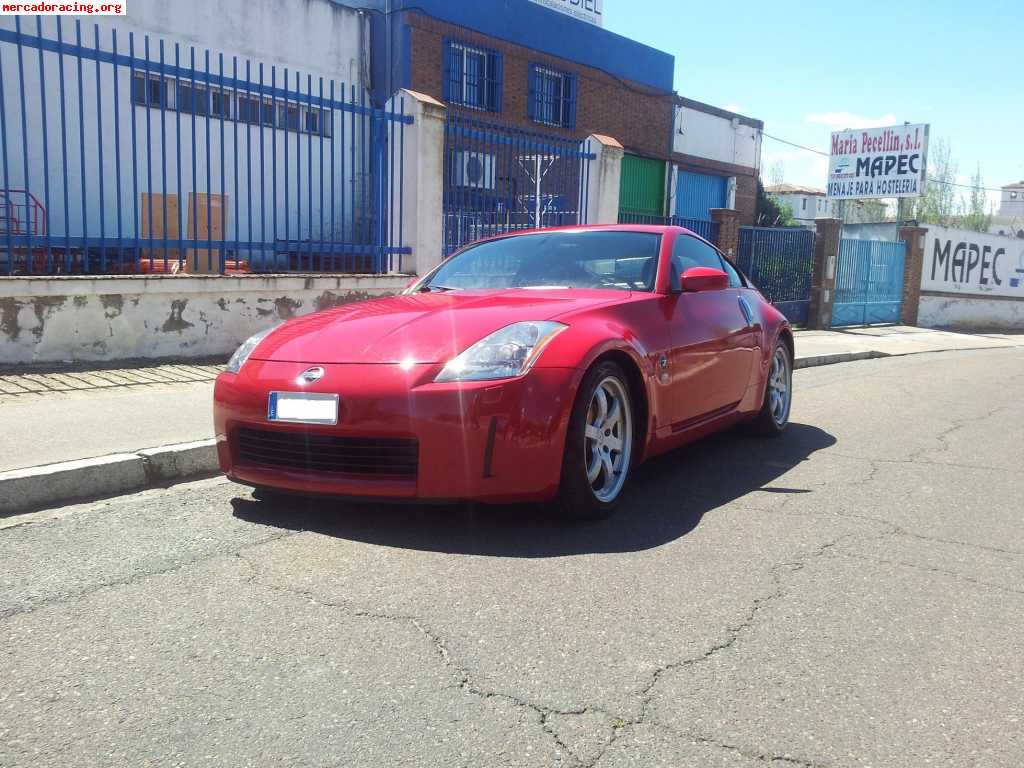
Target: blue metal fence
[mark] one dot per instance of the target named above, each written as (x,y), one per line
(869,282)
(779,262)
(706,229)
(126,155)
(501,178)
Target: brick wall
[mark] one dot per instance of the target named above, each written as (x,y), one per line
(912,266)
(639,117)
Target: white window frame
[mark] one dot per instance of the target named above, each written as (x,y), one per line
(540,73)
(485,77)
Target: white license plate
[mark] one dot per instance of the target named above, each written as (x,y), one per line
(302,407)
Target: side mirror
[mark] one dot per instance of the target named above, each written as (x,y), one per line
(704,279)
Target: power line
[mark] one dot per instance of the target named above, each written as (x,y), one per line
(798,146)
(826,154)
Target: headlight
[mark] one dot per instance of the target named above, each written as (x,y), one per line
(242,353)
(504,354)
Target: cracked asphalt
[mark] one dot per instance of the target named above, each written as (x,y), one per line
(849,595)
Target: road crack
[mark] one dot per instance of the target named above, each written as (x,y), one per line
(134,578)
(462,675)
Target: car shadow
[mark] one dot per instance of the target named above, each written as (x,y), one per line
(665,500)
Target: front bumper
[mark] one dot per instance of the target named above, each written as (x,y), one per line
(487,441)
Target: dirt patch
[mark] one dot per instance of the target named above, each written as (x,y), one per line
(176,321)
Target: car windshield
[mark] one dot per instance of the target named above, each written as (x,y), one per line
(624,261)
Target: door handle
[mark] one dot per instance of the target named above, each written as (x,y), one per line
(748,313)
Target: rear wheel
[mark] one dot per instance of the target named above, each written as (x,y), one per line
(778,394)
(599,445)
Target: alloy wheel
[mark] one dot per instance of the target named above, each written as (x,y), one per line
(608,439)
(780,383)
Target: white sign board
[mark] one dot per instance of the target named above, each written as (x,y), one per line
(972,263)
(878,162)
(584,10)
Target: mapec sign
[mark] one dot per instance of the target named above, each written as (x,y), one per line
(878,162)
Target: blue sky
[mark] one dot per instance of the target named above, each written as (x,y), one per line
(808,68)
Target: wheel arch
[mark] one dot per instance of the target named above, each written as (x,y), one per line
(786,335)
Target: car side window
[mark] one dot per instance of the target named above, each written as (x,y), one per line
(735,281)
(689,252)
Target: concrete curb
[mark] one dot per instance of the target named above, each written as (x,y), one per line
(838,357)
(23,490)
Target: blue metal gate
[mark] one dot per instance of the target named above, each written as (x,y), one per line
(698,193)
(869,282)
(779,262)
(500,178)
(120,153)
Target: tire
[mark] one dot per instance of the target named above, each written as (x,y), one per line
(600,436)
(772,419)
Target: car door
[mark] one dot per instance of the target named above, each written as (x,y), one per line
(710,333)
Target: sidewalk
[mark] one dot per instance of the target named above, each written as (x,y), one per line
(77,414)
(824,347)
(72,414)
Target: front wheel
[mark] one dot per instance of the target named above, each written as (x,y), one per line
(599,445)
(771,421)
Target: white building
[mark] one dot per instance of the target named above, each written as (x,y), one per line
(805,203)
(266,153)
(1009,220)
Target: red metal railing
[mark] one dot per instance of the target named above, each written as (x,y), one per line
(21,213)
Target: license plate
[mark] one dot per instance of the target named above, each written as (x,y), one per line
(302,407)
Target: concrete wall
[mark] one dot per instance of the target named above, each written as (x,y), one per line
(317,38)
(716,137)
(971,280)
(968,313)
(111,318)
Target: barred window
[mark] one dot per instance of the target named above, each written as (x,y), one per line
(552,97)
(473,76)
(248,108)
(196,98)
(151,91)
(193,98)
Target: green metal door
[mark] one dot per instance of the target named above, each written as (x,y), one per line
(642,187)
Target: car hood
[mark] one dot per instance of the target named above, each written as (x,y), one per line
(418,328)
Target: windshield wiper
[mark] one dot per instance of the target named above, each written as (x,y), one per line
(438,288)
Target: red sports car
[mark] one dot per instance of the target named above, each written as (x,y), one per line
(529,367)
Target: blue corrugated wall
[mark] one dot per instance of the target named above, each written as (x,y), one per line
(697,193)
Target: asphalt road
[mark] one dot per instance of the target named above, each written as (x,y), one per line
(849,595)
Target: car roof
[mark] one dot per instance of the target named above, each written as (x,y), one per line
(654,229)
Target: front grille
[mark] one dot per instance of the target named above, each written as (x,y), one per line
(381,457)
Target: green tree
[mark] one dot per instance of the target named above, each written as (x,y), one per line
(938,205)
(977,213)
(770,212)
